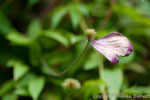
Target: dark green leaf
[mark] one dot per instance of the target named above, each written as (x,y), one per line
(6,87)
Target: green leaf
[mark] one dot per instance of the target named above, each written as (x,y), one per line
(34,28)
(10,96)
(83,9)
(137,90)
(91,87)
(57,16)
(24,81)
(36,86)
(5,26)
(35,53)
(75,17)
(75,38)
(21,91)
(6,87)
(18,39)
(19,70)
(136,68)
(128,59)
(113,79)
(57,36)
(92,61)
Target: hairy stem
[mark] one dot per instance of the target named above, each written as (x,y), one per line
(59,74)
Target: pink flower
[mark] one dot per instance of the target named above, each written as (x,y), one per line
(113,45)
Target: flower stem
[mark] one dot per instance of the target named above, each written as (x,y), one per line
(101,76)
(59,74)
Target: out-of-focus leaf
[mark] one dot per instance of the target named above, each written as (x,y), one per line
(83,9)
(35,53)
(74,39)
(140,48)
(51,94)
(138,90)
(128,59)
(24,81)
(132,13)
(10,96)
(19,70)
(5,26)
(12,62)
(36,86)
(113,79)
(57,36)
(136,67)
(145,7)
(34,28)
(75,17)
(21,92)
(57,16)
(92,61)
(32,3)
(6,87)
(92,87)
(18,39)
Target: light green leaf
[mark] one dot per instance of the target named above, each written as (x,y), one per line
(36,86)
(6,87)
(83,9)
(34,28)
(18,39)
(57,36)
(92,87)
(138,90)
(5,26)
(113,79)
(23,82)
(21,91)
(19,70)
(12,62)
(75,17)
(10,96)
(75,38)
(57,16)
(92,61)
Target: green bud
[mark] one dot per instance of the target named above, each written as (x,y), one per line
(90,34)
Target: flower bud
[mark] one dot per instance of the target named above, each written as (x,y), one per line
(71,83)
(90,34)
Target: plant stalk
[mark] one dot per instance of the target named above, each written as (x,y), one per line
(101,76)
(59,74)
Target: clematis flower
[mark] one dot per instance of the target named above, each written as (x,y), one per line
(112,45)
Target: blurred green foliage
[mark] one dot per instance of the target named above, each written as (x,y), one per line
(54,30)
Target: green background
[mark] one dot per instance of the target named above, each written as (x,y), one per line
(55,30)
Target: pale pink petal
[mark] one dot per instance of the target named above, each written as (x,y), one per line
(113,45)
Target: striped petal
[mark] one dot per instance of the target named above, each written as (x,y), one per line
(113,45)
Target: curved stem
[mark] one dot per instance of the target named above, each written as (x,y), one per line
(59,74)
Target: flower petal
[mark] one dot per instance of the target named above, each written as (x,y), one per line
(113,45)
